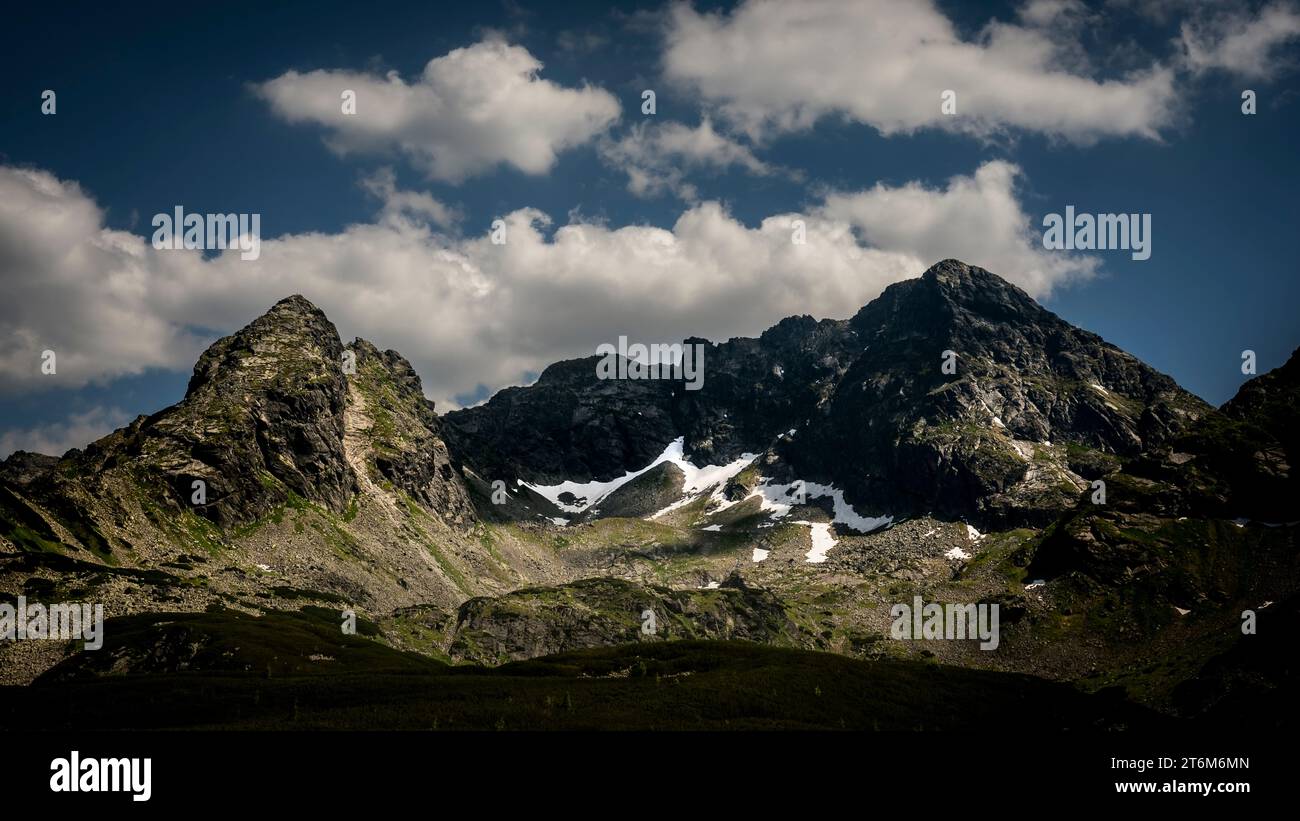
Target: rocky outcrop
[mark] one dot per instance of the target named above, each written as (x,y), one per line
(404,433)
(597,612)
(645,495)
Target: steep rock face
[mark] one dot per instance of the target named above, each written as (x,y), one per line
(1263,462)
(261,425)
(404,433)
(268,399)
(567,424)
(1237,462)
(572,425)
(756,389)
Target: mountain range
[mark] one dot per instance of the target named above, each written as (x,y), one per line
(952,440)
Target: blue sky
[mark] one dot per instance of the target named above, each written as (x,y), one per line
(1129,106)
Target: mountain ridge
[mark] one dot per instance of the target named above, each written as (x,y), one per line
(570,425)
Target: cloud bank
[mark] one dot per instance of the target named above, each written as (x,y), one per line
(470,312)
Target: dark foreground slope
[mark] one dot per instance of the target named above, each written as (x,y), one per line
(295,671)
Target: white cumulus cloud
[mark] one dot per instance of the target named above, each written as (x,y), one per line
(976,218)
(471,110)
(1244,44)
(657,157)
(771,66)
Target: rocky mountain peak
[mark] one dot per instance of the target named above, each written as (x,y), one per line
(951,300)
(263,416)
(293,339)
(972,399)
(296,303)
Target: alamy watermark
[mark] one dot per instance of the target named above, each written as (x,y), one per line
(953,622)
(654,361)
(208,232)
(77,774)
(1099,232)
(55,622)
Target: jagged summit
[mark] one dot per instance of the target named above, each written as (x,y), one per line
(295,302)
(954,271)
(293,341)
(955,274)
(950,294)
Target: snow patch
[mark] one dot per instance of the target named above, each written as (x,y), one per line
(956,553)
(699,480)
(587,494)
(822,541)
(779,499)
(760,554)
